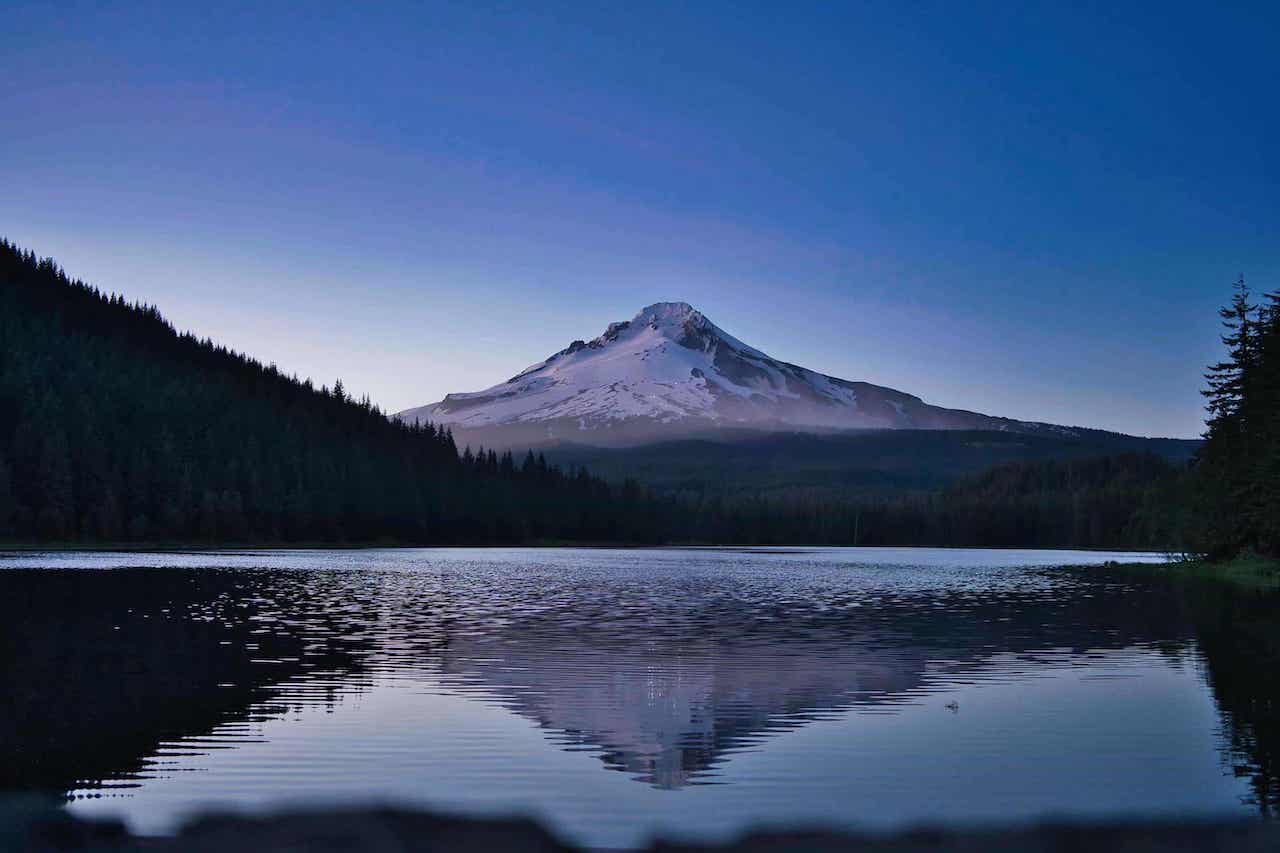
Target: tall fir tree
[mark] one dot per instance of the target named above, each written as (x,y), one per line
(1238,467)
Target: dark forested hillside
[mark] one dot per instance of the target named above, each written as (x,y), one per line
(114,427)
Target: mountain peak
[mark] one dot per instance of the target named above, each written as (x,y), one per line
(668,310)
(674,321)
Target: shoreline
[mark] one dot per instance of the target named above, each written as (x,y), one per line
(207,548)
(35,825)
(1246,572)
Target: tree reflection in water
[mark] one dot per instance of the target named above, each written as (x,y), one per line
(106,670)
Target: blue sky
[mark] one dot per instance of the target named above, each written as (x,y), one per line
(1027,209)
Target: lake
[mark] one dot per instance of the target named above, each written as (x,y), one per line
(621,694)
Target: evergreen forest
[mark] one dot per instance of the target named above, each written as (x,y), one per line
(117,428)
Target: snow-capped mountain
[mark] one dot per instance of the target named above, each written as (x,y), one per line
(670,372)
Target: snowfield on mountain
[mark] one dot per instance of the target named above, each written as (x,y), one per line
(670,372)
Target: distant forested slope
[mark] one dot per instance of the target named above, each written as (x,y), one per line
(844,467)
(114,428)
(1123,501)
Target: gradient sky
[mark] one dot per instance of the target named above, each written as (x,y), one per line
(1026,209)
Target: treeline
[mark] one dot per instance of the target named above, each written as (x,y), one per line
(1117,501)
(1234,503)
(116,428)
(847,467)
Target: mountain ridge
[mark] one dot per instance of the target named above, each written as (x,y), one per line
(670,372)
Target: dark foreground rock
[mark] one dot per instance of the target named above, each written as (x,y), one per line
(32,826)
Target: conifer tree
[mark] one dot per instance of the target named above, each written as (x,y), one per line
(1227,379)
(1237,468)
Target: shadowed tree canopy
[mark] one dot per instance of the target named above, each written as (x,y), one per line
(1237,487)
(116,428)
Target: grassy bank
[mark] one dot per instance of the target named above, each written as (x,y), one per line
(1249,571)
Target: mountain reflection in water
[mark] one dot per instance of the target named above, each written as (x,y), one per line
(664,664)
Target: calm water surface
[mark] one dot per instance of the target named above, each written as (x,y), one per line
(620,694)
